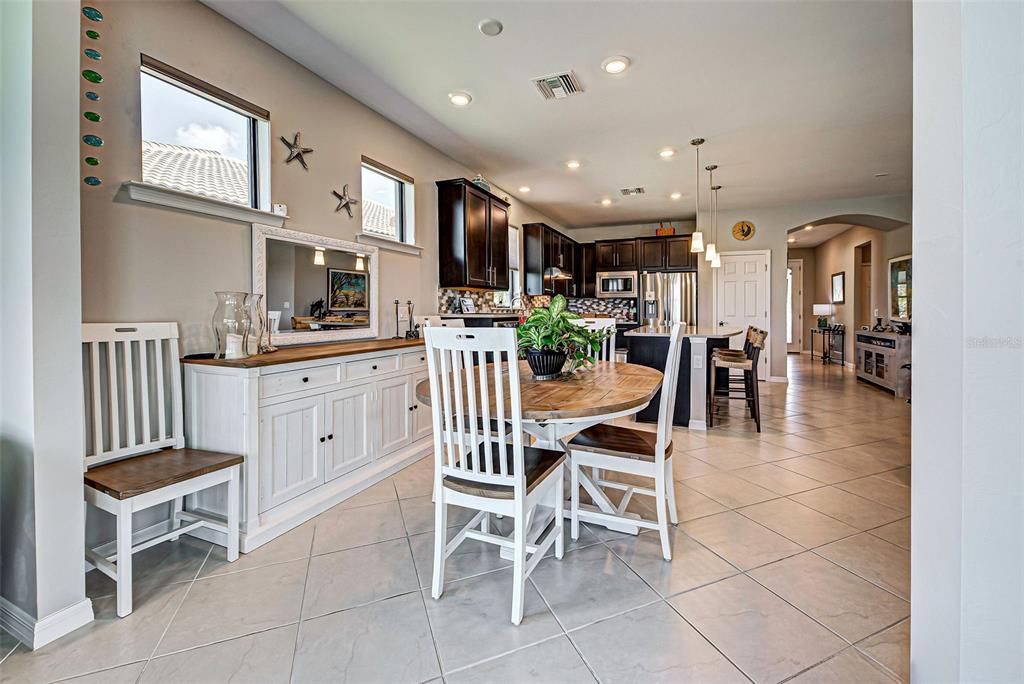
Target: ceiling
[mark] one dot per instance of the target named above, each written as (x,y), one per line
(798,101)
(818,234)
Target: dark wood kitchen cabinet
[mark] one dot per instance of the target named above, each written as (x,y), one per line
(472,227)
(545,249)
(616,255)
(586,273)
(667,254)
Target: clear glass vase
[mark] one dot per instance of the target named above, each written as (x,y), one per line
(260,334)
(231,323)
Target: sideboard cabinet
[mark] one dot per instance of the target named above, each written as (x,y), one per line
(314,429)
(880,360)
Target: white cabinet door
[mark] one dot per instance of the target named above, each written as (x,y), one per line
(349,434)
(396,407)
(291,449)
(423,425)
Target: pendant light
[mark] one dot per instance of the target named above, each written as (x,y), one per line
(711,250)
(716,262)
(697,239)
(318,257)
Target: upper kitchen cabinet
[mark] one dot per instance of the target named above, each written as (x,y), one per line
(586,273)
(550,260)
(472,228)
(667,254)
(616,255)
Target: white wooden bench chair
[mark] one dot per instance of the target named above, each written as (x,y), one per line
(634,452)
(134,447)
(489,474)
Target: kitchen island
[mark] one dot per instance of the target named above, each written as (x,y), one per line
(648,346)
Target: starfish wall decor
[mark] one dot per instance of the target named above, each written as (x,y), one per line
(344,201)
(296,150)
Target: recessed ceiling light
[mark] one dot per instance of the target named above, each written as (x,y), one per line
(572,164)
(616,64)
(460,98)
(808,227)
(606,201)
(525,188)
(791,240)
(667,153)
(490,27)
(676,195)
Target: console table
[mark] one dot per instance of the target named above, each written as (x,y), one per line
(833,342)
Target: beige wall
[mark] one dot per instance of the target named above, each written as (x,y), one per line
(144,263)
(809,286)
(683,227)
(839,254)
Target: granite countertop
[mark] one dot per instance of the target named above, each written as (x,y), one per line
(492,314)
(691,331)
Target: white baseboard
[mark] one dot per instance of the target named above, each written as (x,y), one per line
(37,633)
(697,425)
(777,378)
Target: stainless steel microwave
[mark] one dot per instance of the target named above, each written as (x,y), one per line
(617,284)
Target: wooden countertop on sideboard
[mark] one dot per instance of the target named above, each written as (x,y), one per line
(309,352)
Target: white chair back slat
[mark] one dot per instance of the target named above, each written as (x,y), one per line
(438,322)
(669,385)
(461,401)
(606,352)
(120,393)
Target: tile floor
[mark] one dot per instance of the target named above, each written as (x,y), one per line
(792,562)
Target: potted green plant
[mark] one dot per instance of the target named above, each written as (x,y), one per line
(552,335)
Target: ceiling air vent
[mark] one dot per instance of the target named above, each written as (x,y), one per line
(632,191)
(559,86)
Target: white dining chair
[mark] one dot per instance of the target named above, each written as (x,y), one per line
(491,475)
(438,322)
(135,455)
(607,350)
(634,452)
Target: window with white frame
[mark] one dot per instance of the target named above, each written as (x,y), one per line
(387,199)
(199,139)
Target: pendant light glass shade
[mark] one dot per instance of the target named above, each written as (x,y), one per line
(710,252)
(697,238)
(716,262)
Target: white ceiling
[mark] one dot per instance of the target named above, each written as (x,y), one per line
(817,235)
(797,100)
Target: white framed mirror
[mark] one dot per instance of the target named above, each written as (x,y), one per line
(315,288)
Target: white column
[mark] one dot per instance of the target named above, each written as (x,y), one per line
(698,383)
(42,523)
(968,361)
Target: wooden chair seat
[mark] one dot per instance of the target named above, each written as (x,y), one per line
(141,474)
(538,463)
(729,352)
(619,441)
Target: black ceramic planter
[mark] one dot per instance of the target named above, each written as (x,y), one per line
(545,364)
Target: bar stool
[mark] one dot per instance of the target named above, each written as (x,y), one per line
(745,361)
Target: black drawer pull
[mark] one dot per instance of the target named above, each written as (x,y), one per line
(423,358)
(374,367)
(331,436)
(323,439)
(305,379)
(411,408)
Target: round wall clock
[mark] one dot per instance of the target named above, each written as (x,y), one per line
(743,230)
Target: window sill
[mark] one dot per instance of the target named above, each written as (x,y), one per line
(197,204)
(384,243)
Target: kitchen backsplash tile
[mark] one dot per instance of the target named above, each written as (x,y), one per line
(621,309)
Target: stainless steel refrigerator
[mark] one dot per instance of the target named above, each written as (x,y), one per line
(668,298)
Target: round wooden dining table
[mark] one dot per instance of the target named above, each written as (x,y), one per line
(556,409)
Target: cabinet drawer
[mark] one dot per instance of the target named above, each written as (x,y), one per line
(276,384)
(417,359)
(354,370)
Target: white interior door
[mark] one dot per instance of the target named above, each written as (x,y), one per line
(742,295)
(795,312)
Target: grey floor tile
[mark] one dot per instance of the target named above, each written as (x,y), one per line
(387,642)
(106,642)
(891,648)
(470,558)
(234,605)
(892,494)
(776,479)
(691,566)
(739,540)
(762,634)
(344,579)
(849,667)
(729,490)
(851,509)
(897,533)
(293,545)
(797,522)
(850,606)
(344,528)
(156,566)
(418,514)
(691,504)
(382,492)
(588,585)
(262,657)
(874,559)
(416,480)
(652,644)
(554,661)
(125,674)
(482,607)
